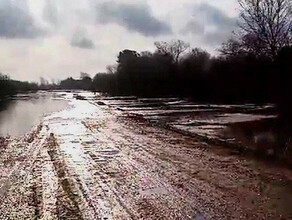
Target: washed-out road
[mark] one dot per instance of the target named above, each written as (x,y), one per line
(91,161)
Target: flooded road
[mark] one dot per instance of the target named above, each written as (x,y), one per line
(94,160)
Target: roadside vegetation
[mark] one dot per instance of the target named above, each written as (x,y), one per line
(10,87)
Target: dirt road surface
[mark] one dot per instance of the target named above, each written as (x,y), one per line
(90,161)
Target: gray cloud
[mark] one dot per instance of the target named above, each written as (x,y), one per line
(215,38)
(194,27)
(82,42)
(135,17)
(50,13)
(220,25)
(216,17)
(16,21)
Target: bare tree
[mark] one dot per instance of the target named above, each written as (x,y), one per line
(111,69)
(146,54)
(84,75)
(231,48)
(53,81)
(266,25)
(43,81)
(4,77)
(174,48)
(242,46)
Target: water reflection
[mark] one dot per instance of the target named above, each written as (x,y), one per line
(267,136)
(250,126)
(20,113)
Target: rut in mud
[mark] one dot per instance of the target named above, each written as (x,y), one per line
(91,161)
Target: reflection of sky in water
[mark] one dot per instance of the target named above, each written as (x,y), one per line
(20,115)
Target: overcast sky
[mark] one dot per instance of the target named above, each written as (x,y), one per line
(60,38)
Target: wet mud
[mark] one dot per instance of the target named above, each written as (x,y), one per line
(93,160)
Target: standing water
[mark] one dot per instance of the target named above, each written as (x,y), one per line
(23,111)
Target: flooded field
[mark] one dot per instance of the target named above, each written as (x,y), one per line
(20,113)
(130,158)
(250,127)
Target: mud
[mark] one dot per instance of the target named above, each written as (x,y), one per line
(92,161)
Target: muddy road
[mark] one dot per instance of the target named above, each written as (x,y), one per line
(92,161)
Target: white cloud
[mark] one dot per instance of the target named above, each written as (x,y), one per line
(47,40)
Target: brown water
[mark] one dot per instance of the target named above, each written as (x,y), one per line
(20,113)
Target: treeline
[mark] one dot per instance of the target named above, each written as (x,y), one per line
(240,78)
(253,66)
(10,87)
(85,82)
